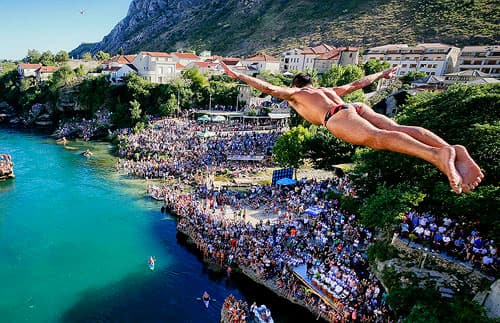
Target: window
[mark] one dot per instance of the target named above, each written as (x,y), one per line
(404,65)
(413,65)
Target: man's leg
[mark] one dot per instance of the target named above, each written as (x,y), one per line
(469,171)
(381,121)
(347,125)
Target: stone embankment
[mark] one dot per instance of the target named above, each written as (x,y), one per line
(248,272)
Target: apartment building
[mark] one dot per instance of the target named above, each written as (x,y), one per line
(485,59)
(431,58)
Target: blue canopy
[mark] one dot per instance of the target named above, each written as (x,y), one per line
(313,210)
(286,181)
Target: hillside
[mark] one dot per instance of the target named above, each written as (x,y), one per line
(242,27)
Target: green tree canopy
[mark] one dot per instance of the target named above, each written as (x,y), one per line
(101,55)
(87,56)
(33,56)
(289,148)
(47,58)
(61,56)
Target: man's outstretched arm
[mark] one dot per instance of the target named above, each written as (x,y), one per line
(283,93)
(365,81)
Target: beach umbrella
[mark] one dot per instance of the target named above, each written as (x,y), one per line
(204,118)
(219,118)
(313,210)
(286,181)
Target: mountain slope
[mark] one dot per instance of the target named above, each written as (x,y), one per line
(242,27)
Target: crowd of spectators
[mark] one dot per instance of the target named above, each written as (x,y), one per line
(453,239)
(235,311)
(85,129)
(186,149)
(331,245)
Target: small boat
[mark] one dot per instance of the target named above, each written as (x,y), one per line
(262,314)
(151,263)
(6,167)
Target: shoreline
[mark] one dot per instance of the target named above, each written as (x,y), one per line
(245,271)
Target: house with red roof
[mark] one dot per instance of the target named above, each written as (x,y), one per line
(337,56)
(27,70)
(209,68)
(44,72)
(262,62)
(118,60)
(185,58)
(156,67)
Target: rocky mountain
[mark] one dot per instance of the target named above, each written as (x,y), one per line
(242,27)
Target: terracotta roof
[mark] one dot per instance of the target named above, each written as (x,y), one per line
(47,69)
(179,66)
(30,66)
(205,64)
(230,61)
(329,55)
(318,50)
(120,59)
(262,58)
(156,54)
(185,55)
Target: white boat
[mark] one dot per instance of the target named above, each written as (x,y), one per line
(262,314)
(206,299)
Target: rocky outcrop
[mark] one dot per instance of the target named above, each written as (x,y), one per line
(68,99)
(242,27)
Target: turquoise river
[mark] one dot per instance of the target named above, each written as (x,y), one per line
(75,238)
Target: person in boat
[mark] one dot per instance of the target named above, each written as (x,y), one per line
(358,124)
(87,153)
(151,261)
(205,296)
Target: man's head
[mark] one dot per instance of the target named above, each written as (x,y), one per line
(301,80)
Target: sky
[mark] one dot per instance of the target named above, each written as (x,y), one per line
(55,24)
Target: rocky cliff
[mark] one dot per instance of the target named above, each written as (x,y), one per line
(243,27)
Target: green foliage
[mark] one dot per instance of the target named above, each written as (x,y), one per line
(325,150)
(93,93)
(289,148)
(199,86)
(386,207)
(168,108)
(373,66)
(135,111)
(33,56)
(6,67)
(101,55)
(61,57)
(412,76)
(87,56)
(47,58)
(381,250)
(466,115)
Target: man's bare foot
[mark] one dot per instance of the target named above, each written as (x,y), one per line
(446,163)
(467,168)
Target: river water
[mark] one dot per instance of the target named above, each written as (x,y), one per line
(75,239)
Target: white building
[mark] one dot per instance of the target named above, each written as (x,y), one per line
(208,68)
(27,70)
(44,72)
(485,59)
(262,62)
(431,58)
(156,67)
(185,58)
(302,59)
(338,56)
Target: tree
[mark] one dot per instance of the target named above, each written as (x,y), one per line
(33,56)
(87,56)
(289,148)
(374,66)
(47,58)
(385,208)
(325,150)
(61,57)
(101,56)
(135,111)
(412,76)
(168,108)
